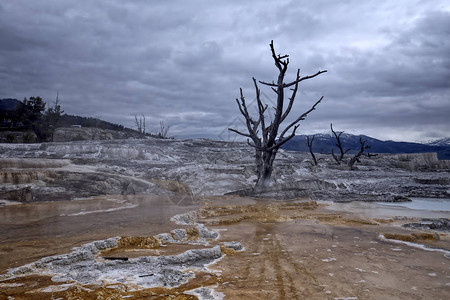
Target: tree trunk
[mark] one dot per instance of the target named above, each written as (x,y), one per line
(265,169)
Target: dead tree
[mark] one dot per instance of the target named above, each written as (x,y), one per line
(94,123)
(356,157)
(163,130)
(52,116)
(266,138)
(140,124)
(337,135)
(309,142)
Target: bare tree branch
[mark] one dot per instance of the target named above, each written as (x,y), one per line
(309,143)
(337,135)
(239,132)
(304,78)
(356,157)
(163,130)
(291,100)
(264,135)
(302,117)
(273,84)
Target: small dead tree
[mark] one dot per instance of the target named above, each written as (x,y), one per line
(52,116)
(94,123)
(337,135)
(163,130)
(356,157)
(140,123)
(265,137)
(309,143)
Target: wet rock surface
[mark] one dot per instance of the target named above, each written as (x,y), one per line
(265,250)
(434,224)
(174,263)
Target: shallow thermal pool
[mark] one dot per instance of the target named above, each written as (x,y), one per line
(418,207)
(427,204)
(33,230)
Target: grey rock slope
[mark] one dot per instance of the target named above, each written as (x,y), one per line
(67,170)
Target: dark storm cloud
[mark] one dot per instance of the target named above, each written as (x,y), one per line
(404,86)
(184,62)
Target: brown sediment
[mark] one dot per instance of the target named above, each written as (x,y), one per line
(293,250)
(265,208)
(383,221)
(132,247)
(227,221)
(25,176)
(359,221)
(192,233)
(302,252)
(413,237)
(338,219)
(227,251)
(138,242)
(173,186)
(276,212)
(40,287)
(138,246)
(262,212)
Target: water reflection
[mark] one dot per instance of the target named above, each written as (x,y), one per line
(419,208)
(429,204)
(59,226)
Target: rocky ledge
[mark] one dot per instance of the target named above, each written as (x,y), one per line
(434,224)
(193,168)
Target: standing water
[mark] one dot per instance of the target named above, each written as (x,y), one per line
(417,208)
(34,230)
(426,204)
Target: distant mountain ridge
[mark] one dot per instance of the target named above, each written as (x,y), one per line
(445,142)
(8,106)
(323,143)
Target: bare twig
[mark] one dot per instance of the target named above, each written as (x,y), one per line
(309,143)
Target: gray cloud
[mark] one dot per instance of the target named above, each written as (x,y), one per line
(184,62)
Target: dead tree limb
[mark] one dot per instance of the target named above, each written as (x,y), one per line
(337,135)
(356,157)
(264,135)
(309,142)
(163,130)
(140,123)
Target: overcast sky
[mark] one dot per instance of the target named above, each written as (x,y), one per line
(183,62)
